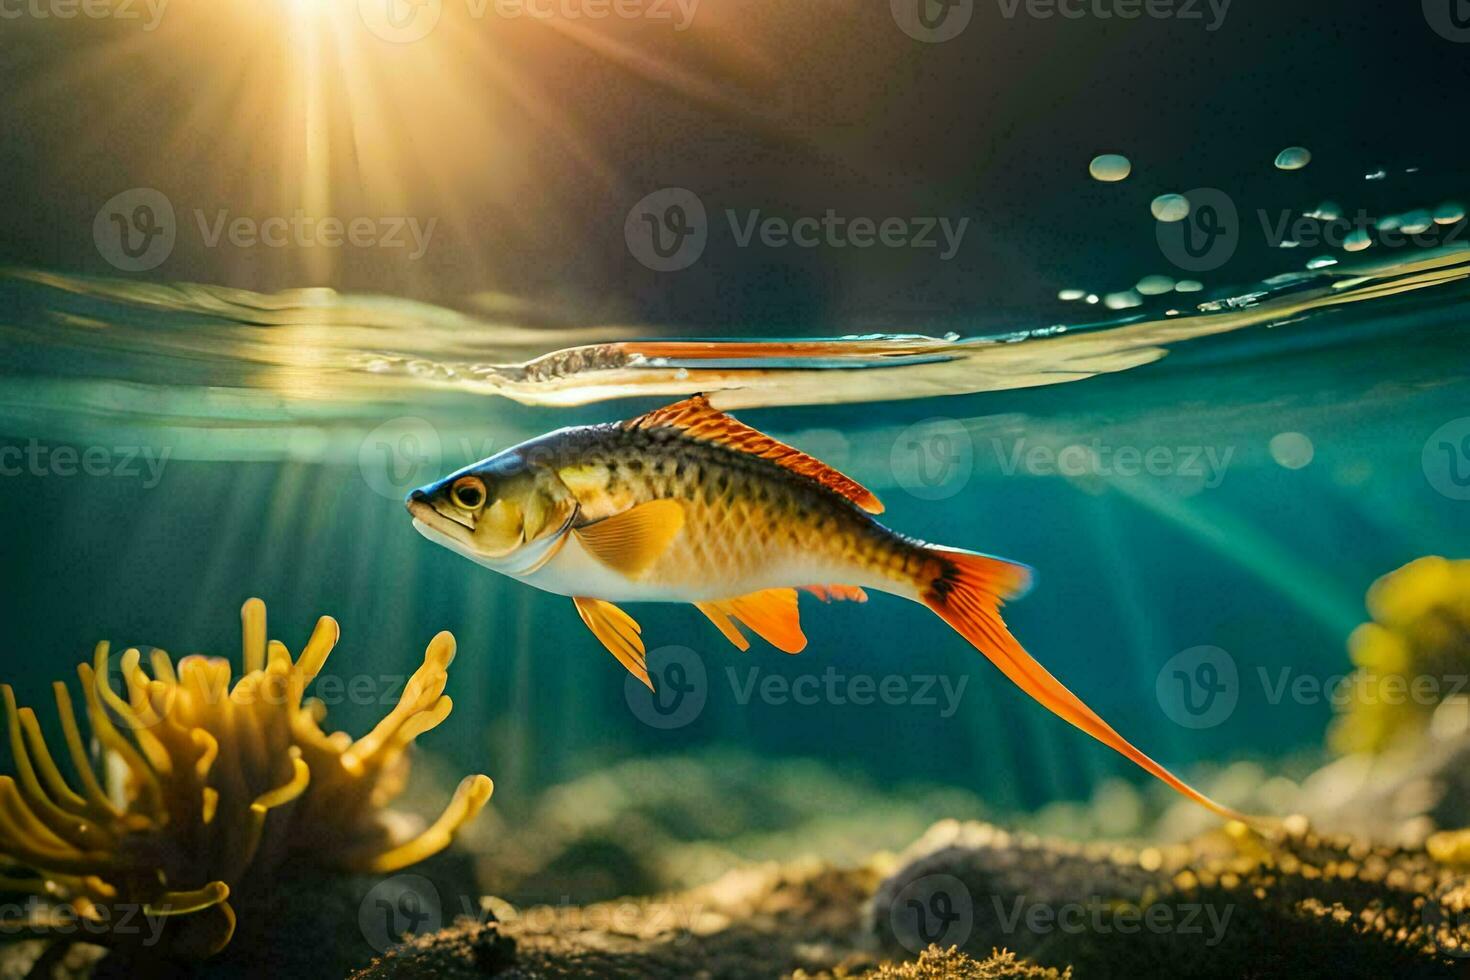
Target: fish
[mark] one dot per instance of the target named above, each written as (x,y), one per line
(686,504)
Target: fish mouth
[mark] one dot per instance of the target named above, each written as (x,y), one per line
(425,513)
(449,533)
(446,539)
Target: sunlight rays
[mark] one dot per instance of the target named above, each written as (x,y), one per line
(262,108)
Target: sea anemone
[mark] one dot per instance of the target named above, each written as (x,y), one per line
(197,789)
(1412,661)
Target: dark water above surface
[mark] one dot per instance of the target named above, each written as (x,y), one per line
(1233,477)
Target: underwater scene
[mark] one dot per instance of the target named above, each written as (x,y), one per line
(686,488)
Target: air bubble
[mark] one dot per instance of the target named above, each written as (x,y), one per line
(1293,158)
(1170,207)
(1415,222)
(1110,167)
(1449,213)
(1291,450)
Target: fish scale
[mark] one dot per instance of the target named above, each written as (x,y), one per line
(764,517)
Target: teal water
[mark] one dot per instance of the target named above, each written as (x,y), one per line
(1233,477)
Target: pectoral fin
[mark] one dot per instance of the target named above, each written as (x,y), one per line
(771,614)
(617,631)
(632,541)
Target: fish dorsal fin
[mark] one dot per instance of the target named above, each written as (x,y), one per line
(771,614)
(699,421)
(617,631)
(632,541)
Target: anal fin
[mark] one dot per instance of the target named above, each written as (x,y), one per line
(771,614)
(617,631)
(717,615)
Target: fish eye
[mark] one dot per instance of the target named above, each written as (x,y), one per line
(468,492)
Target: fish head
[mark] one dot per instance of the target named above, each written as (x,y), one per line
(504,512)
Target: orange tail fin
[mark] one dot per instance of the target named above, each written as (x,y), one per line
(967,593)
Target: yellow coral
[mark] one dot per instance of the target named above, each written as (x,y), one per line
(1450,847)
(205,787)
(1412,657)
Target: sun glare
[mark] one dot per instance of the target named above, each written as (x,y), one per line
(338,109)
